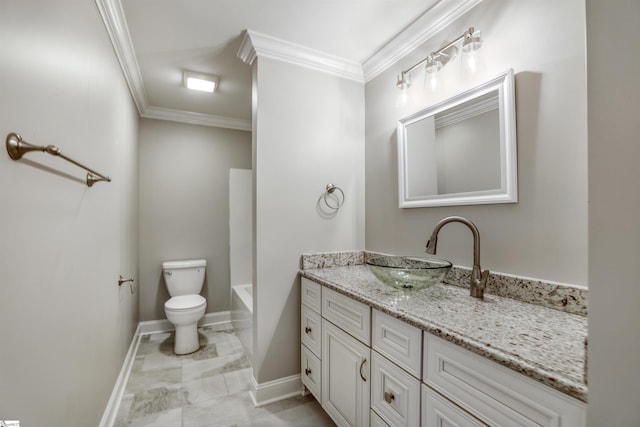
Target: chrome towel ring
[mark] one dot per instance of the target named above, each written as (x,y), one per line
(336,200)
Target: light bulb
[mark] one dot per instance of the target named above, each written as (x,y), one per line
(403,85)
(433,65)
(433,81)
(472,43)
(402,98)
(471,62)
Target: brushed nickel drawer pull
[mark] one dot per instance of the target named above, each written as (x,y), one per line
(388,397)
(361,365)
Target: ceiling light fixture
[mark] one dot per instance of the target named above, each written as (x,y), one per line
(200,81)
(471,42)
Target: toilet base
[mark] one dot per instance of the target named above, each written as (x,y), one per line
(186,339)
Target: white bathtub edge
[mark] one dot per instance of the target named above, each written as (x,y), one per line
(245,297)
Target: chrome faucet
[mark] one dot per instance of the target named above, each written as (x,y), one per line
(478,277)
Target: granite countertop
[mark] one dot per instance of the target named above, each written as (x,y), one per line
(539,342)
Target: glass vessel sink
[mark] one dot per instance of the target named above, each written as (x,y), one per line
(408,272)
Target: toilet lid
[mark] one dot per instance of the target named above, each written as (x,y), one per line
(185,302)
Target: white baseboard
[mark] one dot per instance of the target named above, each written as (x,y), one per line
(111,411)
(272,391)
(163,325)
(145,328)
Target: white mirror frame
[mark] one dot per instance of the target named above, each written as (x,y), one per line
(508,191)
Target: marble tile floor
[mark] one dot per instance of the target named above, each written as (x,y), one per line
(207,388)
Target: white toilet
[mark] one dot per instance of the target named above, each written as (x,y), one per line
(184,280)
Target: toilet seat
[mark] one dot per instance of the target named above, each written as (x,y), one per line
(185,302)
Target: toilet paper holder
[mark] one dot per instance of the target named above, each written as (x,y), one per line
(122,280)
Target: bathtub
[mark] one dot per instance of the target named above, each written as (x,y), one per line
(242,316)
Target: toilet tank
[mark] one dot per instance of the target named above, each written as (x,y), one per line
(184,277)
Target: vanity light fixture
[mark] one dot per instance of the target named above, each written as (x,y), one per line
(200,81)
(471,42)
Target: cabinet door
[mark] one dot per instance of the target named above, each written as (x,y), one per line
(440,412)
(345,377)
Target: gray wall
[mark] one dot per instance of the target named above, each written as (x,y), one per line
(545,234)
(308,132)
(614,203)
(184,206)
(65,325)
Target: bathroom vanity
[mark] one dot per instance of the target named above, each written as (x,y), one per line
(375,355)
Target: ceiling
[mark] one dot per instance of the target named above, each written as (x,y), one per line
(156,40)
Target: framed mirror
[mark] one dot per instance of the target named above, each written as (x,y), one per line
(461,151)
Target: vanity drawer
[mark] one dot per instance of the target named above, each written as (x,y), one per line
(350,315)
(438,411)
(311,294)
(311,372)
(493,393)
(395,395)
(398,341)
(376,421)
(310,333)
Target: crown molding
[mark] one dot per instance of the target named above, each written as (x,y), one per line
(426,26)
(246,52)
(116,26)
(189,117)
(255,45)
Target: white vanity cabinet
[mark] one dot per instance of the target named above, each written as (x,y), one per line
(368,368)
(492,393)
